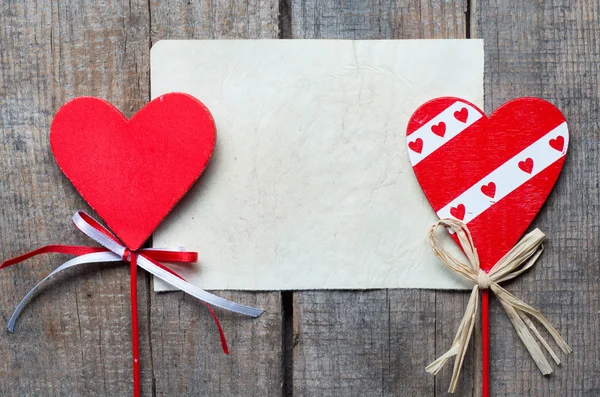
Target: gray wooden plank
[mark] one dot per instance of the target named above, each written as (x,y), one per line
(363,343)
(373,343)
(342,343)
(375,19)
(75,338)
(550,49)
(79,342)
(185,344)
(221,19)
(187,354)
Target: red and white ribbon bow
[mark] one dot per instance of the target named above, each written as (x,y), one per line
(147,258)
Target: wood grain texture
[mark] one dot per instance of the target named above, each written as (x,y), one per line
(358,19)
(550,50)
(374,343)
(222,19)
(363,343)
(186,351)
(75,338)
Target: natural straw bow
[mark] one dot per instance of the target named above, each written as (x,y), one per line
(523,256)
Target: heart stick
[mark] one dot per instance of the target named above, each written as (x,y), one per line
(485,343)
(492,176)
(135,350)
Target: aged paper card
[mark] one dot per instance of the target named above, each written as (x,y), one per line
(310,185)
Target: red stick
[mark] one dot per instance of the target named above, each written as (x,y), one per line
(485,344)
(134,327)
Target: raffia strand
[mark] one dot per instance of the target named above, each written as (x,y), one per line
(520,258)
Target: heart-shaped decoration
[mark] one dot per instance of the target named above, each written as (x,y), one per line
(439,129)
(133,172)
(495,173)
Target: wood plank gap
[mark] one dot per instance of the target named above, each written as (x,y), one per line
(435,296)
(148,280)
(287,340)
(285,19)
(468,19)
(287,297)
(149,290)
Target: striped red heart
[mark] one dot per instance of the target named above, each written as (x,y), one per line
(492,173)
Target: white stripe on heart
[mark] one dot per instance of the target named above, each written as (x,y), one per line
(508,177)
(425,141)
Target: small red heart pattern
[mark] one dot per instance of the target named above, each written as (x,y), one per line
(458,212)
(439,129)
(558,143)
(526,165)
(461,115)
(489,189)
(492,173)
(133,172)
(416,145)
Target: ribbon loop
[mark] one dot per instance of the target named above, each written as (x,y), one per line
(520,258)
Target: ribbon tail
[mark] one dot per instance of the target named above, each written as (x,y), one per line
(461,342)
(528,309)
(219,328)
(80,260)
(54,248)
(516,310)
(527,338)
(439,363)
(196,292)
(539,337)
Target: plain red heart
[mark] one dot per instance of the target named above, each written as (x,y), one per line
(465,159)
(133,172)
(439,129)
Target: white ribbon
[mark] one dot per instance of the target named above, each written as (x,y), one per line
(117,251)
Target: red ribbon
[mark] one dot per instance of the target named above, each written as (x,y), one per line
(151,255)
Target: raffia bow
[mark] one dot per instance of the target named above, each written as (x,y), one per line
(520,258)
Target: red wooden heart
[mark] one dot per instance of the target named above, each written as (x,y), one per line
(492,173)
(133,172)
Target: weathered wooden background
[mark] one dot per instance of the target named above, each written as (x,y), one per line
(74,339)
